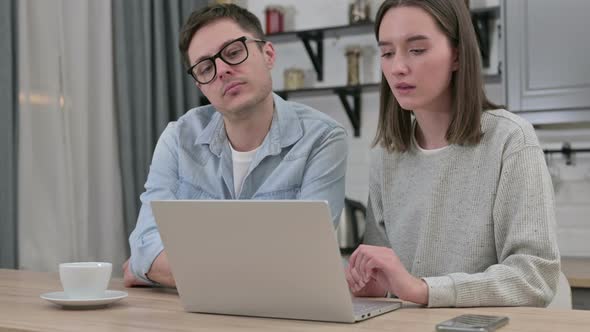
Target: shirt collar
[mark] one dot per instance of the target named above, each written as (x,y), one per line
(285,130)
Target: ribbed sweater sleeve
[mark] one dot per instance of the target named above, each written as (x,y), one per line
(528,261)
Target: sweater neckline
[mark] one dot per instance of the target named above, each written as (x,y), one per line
(420,149)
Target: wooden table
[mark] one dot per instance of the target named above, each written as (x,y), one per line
(577,271)
(147,309)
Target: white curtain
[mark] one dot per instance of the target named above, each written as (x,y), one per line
(70,205)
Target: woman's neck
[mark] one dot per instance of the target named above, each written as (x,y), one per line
(432,125)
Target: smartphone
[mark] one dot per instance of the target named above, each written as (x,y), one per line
(473,323)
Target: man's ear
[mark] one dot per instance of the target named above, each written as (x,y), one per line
(268,51)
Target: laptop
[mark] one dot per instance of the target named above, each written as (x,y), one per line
(275,259)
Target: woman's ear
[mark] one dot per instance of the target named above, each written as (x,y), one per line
(455,64)
(268,51)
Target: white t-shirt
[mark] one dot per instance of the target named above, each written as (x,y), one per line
(421,149)
(241,164)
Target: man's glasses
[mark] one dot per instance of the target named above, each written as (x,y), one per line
(233,54)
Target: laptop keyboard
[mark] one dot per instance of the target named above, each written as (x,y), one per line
(362,305)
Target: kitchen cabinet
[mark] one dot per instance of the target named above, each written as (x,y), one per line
(547,59)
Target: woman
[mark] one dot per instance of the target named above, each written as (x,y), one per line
(460,198)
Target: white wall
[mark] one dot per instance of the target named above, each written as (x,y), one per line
(572,187)
(573,193)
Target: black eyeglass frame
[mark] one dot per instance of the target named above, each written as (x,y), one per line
(242,39)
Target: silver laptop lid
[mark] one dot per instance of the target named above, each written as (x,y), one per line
(255,258)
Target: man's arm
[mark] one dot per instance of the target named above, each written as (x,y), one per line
(325,172)
(159,273)
(148,263)
(129,280)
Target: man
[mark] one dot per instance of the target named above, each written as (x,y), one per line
(248,144)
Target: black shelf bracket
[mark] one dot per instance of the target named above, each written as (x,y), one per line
(283,94)
(317,56)
(353,111)
(568,152)
(481,19)
(481,24)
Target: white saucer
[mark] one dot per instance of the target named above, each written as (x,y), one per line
(60,298)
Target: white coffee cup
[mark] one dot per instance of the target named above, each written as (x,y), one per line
(85,280)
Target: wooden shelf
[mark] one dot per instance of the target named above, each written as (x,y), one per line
(322,91)
(317,36)
(494,11)
(350,96)
(327,32)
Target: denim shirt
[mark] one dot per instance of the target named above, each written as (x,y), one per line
(302,157)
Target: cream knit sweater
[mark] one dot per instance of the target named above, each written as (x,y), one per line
(477,223)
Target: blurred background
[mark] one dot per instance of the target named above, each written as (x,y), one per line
(87,86)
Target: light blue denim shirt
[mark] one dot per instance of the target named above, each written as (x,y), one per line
(302,157)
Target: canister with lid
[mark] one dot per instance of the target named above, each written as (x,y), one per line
(353,54)
(275,19)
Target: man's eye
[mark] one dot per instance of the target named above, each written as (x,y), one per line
(234,53)
(205,70)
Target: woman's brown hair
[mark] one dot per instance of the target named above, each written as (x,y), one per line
(467,88)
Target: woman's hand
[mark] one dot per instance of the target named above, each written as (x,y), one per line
(372,271)
(372,288)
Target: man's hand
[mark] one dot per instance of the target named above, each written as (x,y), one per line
(159,272)
(128,278)
(372,271)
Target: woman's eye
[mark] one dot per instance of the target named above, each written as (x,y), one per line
(417,51)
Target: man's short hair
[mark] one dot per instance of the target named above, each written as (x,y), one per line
(201,17)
